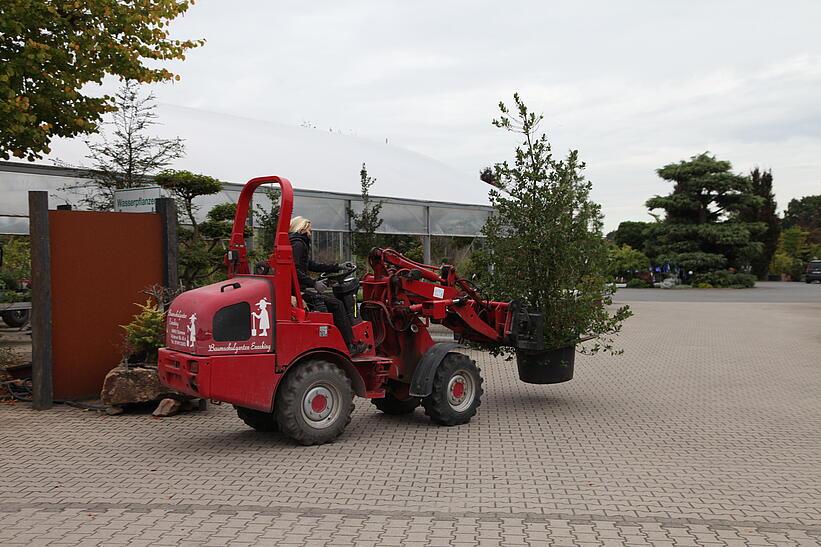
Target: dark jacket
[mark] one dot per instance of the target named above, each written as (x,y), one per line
(301,245)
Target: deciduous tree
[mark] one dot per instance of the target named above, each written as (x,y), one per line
(50,51)
(806,214)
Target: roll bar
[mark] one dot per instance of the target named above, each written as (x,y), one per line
(237,257)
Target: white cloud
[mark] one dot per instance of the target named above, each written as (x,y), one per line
(632,85)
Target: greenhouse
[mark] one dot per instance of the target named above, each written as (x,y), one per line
(440,230)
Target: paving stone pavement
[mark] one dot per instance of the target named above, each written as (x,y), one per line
(705,432)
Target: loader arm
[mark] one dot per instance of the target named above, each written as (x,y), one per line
(407,289)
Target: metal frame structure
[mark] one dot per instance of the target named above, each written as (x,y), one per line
(328,210)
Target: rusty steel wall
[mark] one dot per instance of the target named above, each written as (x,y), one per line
(100,264)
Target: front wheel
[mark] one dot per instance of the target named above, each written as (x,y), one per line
(314,403)
(457,391)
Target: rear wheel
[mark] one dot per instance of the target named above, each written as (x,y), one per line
(256,419)
(16,318)
(457,391)
(391,405)
(314,403)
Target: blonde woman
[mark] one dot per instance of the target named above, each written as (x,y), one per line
(300,236)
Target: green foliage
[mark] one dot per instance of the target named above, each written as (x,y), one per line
(624,261)
(201,253)
(365,223)
(16,267)
(805,213)
(145,334)
(702,229)
(637,283)
(761,184)
(266,223)
(544,244)
(724,279)
(51,50)
(410,246)
(17,258)
(219,221)
(631,233)
(186,186)
(793,253)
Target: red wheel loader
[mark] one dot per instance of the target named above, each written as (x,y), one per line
(251,341)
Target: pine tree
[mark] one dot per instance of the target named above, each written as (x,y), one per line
(761,184)
(701,230)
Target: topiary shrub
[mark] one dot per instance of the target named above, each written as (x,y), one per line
(725,279)
(637,283)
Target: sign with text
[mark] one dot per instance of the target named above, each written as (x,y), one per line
(137,200)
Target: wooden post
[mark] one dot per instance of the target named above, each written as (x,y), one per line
(41,351)
(167,210)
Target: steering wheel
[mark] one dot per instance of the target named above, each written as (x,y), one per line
(347,269)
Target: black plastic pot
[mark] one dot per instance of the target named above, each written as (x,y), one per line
(546,367)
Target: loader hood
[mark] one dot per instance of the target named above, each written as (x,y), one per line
(230,317)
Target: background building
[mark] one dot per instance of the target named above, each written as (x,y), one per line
(441,227)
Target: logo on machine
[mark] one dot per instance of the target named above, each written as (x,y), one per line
(182,330)
(261,320)
(192,330)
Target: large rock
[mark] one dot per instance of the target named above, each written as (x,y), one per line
(123,386)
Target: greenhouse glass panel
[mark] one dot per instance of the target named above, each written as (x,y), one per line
(330,247)
(262,201)
(14,225)
(206,203)
(457,221)
(325,213)
(16,186)
(399,218)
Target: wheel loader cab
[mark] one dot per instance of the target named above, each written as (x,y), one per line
(233,341)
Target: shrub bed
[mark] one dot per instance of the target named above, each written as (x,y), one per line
(725,279)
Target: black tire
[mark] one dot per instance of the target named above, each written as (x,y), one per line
(391,405)
(16,318)
(297,414)
(256,419)
(449,404)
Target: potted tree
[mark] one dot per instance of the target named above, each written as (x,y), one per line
(544,248)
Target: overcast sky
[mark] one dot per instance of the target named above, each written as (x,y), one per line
(632,85)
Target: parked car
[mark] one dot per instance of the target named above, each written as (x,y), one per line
(813,271)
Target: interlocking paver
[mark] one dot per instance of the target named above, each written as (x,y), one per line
(705,432)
